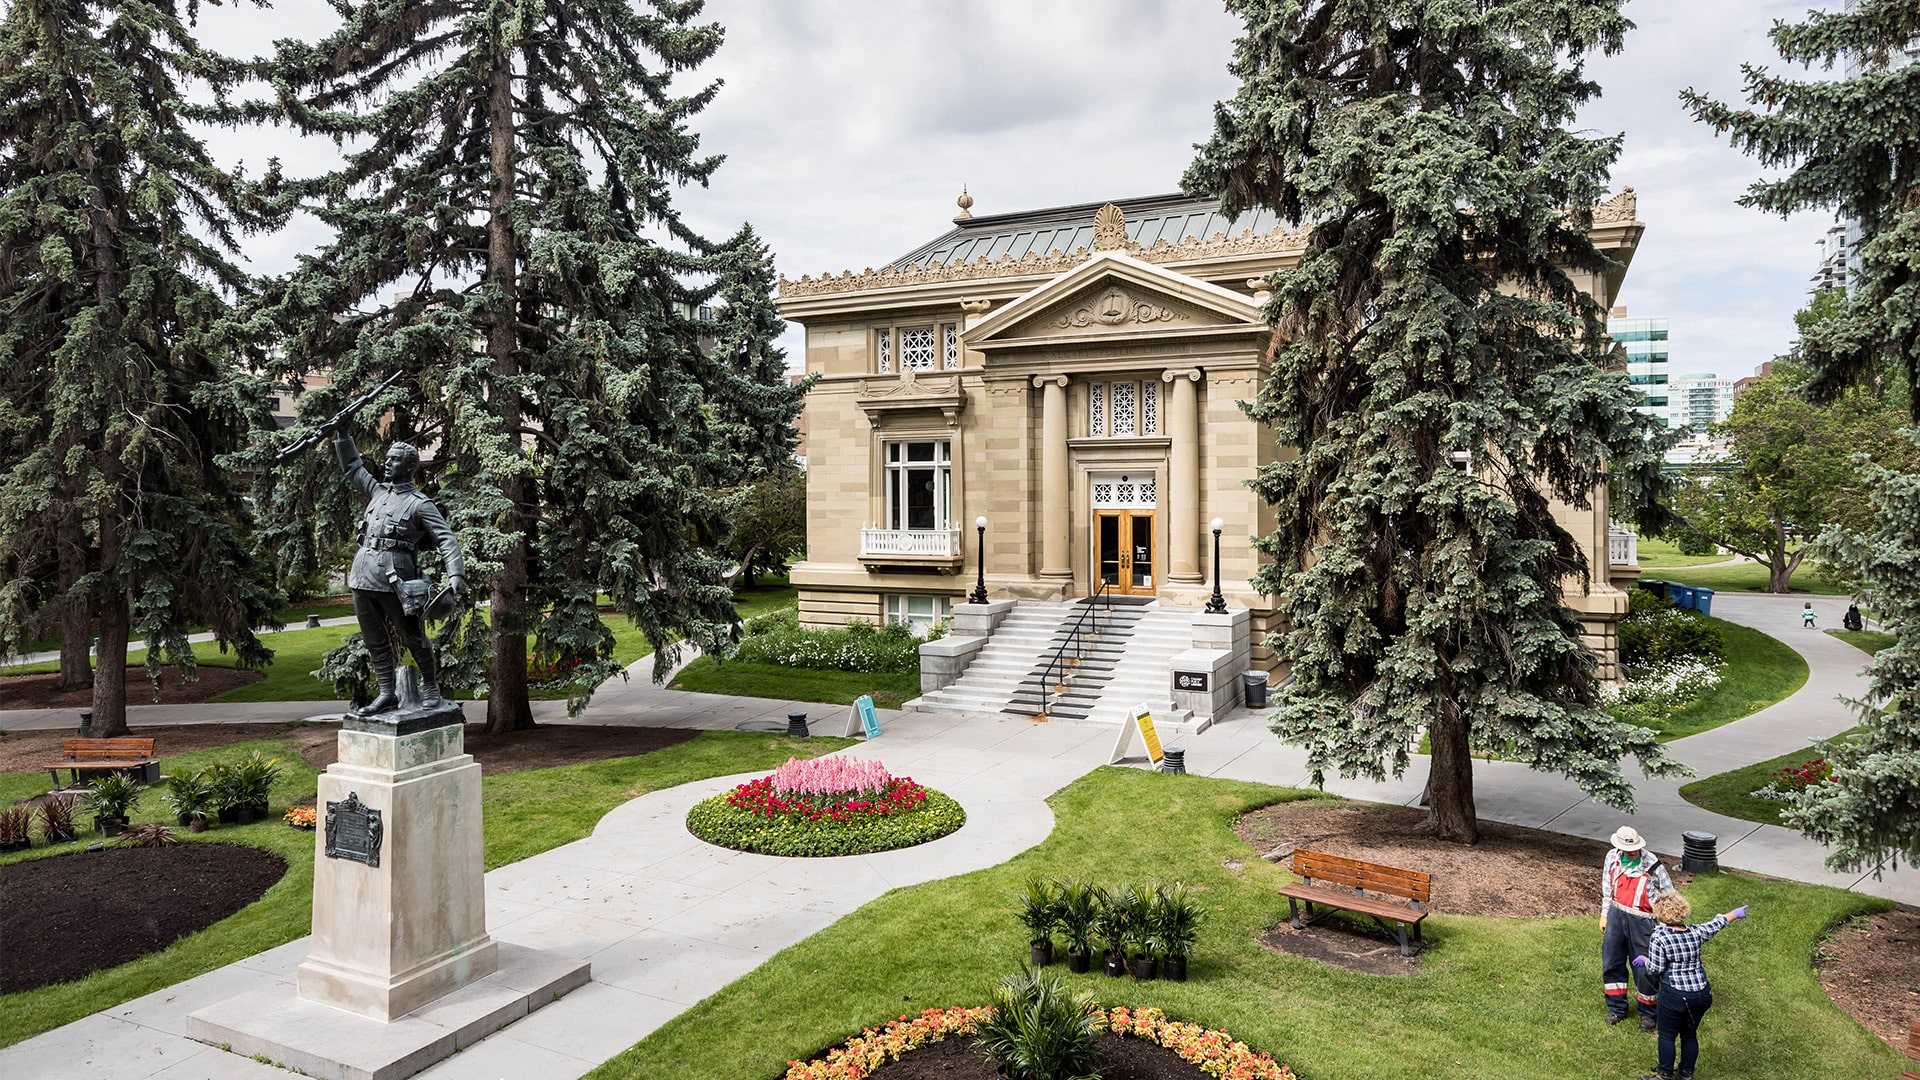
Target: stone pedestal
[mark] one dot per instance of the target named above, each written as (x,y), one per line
(405,924)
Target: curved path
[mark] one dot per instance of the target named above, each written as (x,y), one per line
(666,919)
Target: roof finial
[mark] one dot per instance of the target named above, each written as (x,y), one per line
(965,202)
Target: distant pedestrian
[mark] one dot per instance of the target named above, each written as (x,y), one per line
(1852,620)
(1806,616)
(1630,880)
(1673,957)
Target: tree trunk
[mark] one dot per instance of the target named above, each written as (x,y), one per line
(110,675)
(1779,570)
(1450,813)
(507,706)
(76,630)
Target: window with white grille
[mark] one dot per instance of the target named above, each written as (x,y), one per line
(1122,409)
(883,348)
(950,346)
(916,348)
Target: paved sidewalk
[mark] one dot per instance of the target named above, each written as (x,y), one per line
(666,920)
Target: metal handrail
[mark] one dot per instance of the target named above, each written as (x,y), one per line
(1076,639)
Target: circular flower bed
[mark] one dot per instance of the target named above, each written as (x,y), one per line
(1215,1053)
(826,806)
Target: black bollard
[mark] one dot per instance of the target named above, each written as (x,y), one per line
(1701,854)
(797,725)
(1173,761)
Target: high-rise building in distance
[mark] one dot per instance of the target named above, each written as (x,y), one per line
(1646,343)
(1700,400)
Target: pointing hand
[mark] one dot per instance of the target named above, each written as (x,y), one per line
(1738,913)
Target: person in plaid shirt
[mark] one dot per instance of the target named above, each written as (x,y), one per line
(1673,957)
(1630,879)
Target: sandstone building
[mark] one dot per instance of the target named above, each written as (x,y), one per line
(1074,376)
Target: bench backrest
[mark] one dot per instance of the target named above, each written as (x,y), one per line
(1390,880)
(1913,1040)
(105,749)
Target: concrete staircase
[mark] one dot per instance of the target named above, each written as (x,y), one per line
(1121,668)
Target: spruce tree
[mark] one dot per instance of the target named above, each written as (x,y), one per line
(118,235)
(1439,379)
(1853,146)
(1869,812)
(506,237)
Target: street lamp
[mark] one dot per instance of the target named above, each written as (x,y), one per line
(979,595)
(1217,604)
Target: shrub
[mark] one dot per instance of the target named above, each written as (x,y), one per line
(1177,917)
(1693,542)
(113,796)
(148,834)
(1654,692)
(1039,1030)
(16,824)
(1039,911)
(56,820)
(1655,631)
(859,646)
(1809,773)
(1079,905)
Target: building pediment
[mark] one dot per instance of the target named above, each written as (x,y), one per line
(1115,296)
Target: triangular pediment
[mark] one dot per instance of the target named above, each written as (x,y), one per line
(1114,295)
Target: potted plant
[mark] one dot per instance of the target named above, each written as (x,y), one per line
(56,820)
(110,800)
(191,797)
(1039,915)
(1078,904)
(256,776)
(16,824)
(1141,932)
(1111,926)
(1177,925)
(230,797)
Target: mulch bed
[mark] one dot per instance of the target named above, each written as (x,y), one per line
(65,916)
(42,692)
(1120,1059)
(1870,967)
(539,747)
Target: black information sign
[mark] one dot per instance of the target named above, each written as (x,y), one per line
(353,831)
(1190,680)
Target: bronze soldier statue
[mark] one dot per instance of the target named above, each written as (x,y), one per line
(388,590)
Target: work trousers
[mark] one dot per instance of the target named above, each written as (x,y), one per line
(1626,937)
(381,616)
(1679,1018)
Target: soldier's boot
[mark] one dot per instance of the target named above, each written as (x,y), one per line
(381,660)
(429,666)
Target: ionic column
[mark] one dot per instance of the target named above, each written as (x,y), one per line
(1055,560)
(1183,477)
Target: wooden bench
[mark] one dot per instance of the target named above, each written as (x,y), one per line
(1913,1051)
(102,755)
(1360,878)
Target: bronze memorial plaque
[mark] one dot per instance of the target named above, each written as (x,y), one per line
(353,831)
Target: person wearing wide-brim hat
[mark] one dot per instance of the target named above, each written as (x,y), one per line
(1631,879)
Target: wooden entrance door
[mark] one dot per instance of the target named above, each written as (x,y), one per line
(1123,550)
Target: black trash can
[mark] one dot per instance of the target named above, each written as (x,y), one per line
(1655,586)
(797,725)
(1173,761)
(1254,685)
(1701,854)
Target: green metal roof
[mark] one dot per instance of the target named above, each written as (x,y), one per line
(1172,218)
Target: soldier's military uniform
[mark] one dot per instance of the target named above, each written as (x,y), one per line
(398,520)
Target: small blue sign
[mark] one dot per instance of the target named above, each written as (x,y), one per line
(869,720)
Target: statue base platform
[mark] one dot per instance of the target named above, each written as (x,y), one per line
(293,1033)
(406,720)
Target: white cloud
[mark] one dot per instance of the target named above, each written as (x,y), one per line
(849,126)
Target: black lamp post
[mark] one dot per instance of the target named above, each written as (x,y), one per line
(1216,604)
(979,594)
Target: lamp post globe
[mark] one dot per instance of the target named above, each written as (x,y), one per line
(1217,603)
(979,594)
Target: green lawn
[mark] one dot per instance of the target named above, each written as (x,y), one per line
(748,679)
(1868,641)
(1760,671)
(1728,792)
(525,813)
(298,653)
(1496,998)
(1655,553)
(1749,577)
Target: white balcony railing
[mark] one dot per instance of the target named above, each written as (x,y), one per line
(939,543)
(1623,548)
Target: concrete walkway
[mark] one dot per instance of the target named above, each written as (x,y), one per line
(666,920)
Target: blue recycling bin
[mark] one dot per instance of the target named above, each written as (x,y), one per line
(1703,601)
(1681,595)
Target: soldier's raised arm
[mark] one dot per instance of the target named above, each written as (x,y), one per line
(350,465)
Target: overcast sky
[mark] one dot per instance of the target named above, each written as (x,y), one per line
(849,127)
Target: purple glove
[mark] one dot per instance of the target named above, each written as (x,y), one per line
(1639,961)
(1738,913)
